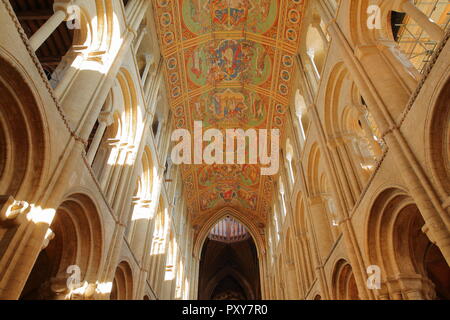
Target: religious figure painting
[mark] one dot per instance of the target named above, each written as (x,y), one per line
(203,16)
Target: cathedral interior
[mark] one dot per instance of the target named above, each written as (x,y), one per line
(94,204)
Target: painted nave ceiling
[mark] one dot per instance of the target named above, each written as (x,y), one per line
(229,64)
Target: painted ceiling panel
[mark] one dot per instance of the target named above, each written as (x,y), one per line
(229,64)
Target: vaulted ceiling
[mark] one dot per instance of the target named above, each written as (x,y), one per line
(228,63)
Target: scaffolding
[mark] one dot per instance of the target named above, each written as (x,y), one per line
(414,42)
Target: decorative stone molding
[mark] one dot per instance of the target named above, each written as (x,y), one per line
(12,212)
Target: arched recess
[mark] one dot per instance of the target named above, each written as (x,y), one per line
(122,288)
(253,243)
(141,213)
(439,140)
(290,265)
(303,229)
(343,282)
(254,230)
(109,139)
(229,267)
(23,138)
(349,132)
(369,24)
(358,22)
(232,275)
(75,245)
(118,143)
(412,267)
(63,45)
(319,201)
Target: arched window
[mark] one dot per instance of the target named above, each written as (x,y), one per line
(290,159)
(301,113)
(282,197)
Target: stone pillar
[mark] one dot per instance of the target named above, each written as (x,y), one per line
(29,226)
(104,120)
(62,12)
(149,61)
(137,44)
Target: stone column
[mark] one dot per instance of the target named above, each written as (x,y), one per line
(149,61)
(141,35)
(63,11)
(104,120)
(28,227)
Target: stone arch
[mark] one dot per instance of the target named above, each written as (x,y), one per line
(122,288)
(118,143)
(23,137)
(292,281)
(128,106)
(249,292)
(75,242)
(335,86)
(313,169)
(353,145)
(397,242)
(253,229)
(357,23)
(438,138)
(107,33)
(109,138)
(343,282)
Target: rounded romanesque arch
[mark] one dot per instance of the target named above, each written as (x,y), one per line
(439,139)
(75,245)
(122,288)
(412,267)
(302,226)
(23,137)
(343,282)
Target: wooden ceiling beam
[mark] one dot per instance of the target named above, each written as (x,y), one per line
(34,15)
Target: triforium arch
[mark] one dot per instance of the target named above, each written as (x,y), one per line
(398,243)
(122,285)
(74,245)
(304,238)
(343,282)
(350,132)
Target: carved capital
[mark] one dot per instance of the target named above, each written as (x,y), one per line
(12,211)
